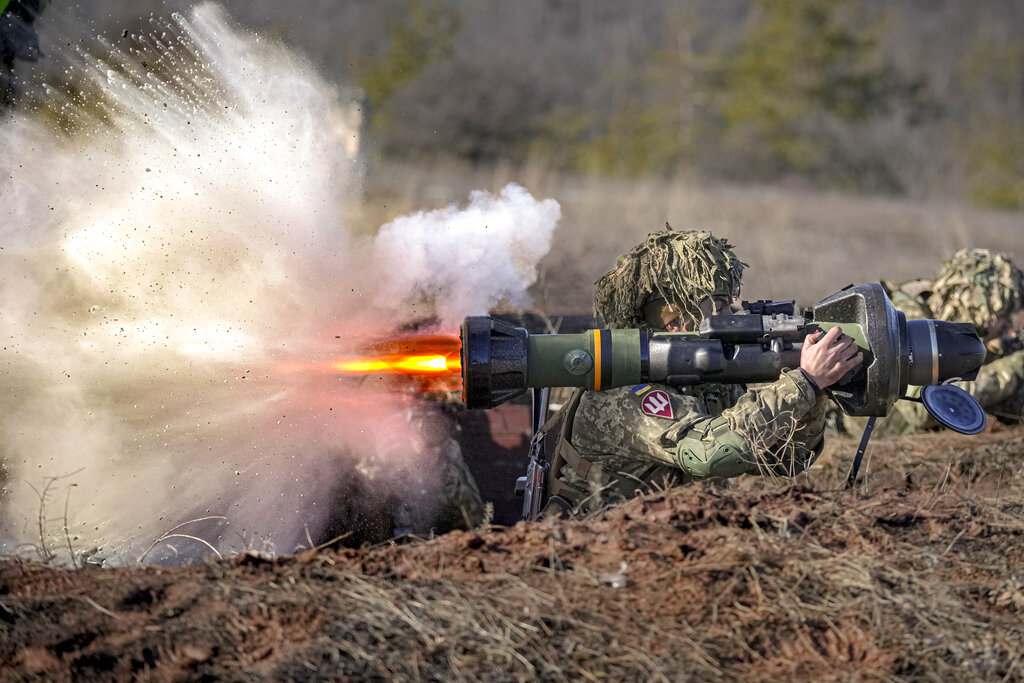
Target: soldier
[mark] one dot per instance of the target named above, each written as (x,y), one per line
(607,446)
(444,495)
(434,493)
(981,287)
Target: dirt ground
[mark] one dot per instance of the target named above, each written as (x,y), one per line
(915,575)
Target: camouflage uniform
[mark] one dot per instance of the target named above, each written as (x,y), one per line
(976,286)
(462,507)
(605,447)
(447,497)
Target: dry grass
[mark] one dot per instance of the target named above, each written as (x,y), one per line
(784,585)
(798,243)
(941,463)
(913,576)
(760,582)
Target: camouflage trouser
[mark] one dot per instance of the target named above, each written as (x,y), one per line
(999,388)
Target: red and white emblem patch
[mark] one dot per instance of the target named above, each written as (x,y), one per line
(656,403)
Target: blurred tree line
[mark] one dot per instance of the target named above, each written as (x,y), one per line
(923,97)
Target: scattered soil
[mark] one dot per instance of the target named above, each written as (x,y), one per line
(913,575)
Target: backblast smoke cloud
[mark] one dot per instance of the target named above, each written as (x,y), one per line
(173,233)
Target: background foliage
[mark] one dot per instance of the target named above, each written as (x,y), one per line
(918,98)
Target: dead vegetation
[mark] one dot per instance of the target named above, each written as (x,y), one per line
(800,244)
(914,576)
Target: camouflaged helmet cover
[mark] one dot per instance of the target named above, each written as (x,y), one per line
(977,285)
(683,267)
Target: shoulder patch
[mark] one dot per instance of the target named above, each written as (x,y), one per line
(641,390)
(657,404)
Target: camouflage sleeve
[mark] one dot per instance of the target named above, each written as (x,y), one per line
(611,425)
(776,413)
(1000,380)
(784,418)
(775,429)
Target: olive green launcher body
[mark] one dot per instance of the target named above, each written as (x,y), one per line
(500,361)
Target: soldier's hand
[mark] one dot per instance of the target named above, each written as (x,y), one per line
(827,357)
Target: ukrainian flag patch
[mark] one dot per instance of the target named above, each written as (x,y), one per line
(642,389)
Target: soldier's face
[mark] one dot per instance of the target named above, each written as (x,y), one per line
(661,315)
(999,325)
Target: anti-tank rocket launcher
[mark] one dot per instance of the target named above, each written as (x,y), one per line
(500,361)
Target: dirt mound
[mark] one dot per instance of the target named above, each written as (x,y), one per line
(912,577)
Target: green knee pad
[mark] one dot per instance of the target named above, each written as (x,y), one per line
(725,454)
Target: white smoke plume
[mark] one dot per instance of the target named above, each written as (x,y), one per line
(489,250)
(173,246)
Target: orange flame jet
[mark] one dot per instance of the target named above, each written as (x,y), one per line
(431,360)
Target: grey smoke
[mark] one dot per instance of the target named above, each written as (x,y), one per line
(164,270)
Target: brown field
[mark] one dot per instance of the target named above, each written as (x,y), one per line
(915,575)
(798,243)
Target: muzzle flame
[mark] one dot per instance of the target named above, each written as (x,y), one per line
(433,360)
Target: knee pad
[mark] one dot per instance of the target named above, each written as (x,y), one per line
(716,451)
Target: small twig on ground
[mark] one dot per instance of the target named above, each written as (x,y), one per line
(333,540)
(67,534)
(194,538)
(170,534)
(99,607)
(44,552)
(950,546)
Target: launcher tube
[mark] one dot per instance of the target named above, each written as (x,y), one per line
(500,361)
(595,359)
(603,359)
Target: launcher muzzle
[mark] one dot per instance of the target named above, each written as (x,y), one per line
(500,361)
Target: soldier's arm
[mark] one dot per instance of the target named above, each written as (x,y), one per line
(777,428)
(779,425)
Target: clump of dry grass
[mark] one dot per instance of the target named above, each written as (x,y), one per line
(499,629)
(781,585)
(989,465)
(694,583)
